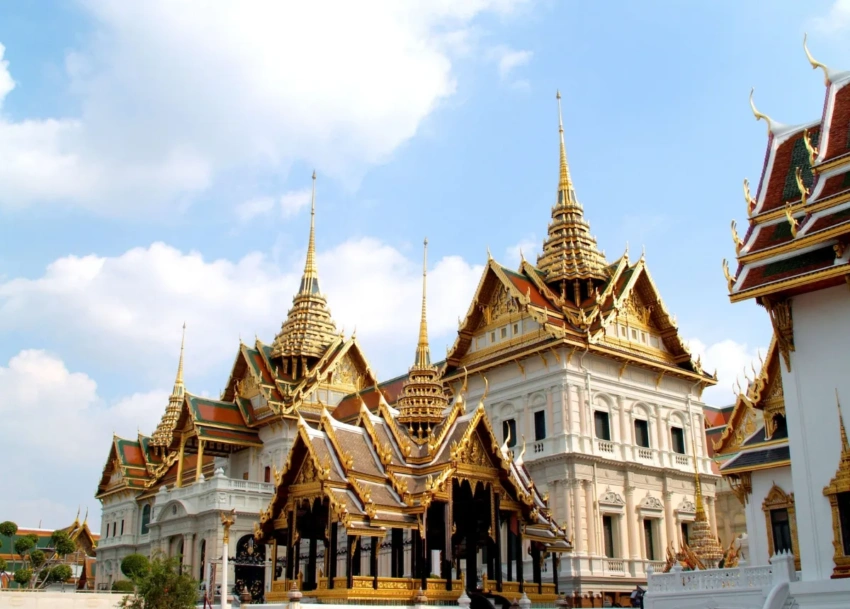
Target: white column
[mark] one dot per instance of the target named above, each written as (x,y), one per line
(582,410)
(591,516)
(225,597)
(669,520)
(578,537)
(631,525)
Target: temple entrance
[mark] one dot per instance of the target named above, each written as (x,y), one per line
(250,567)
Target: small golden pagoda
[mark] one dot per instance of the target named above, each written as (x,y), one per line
(428,480)
(162,435)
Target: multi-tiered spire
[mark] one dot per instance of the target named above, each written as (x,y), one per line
(570,254)
(422,400)
(309,328)
(162,435)
(701,539)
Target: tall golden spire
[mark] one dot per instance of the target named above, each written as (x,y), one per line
(422,399)
(308,329)
(569,251)
(423,352)
(310,279)
(162,435)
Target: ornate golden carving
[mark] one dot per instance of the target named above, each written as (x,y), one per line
(839,484)
(751,203)
(816,64)
(813,152)
(730,280)
(777,499)
(783,326)
(792,222)
(735,238)
(635,309)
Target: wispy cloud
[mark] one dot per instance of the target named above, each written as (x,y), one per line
(290,203)
(836,20)
(508,61)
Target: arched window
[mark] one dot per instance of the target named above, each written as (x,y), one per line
(146,519)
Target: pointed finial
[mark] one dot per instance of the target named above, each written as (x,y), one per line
(643,252)
(179,380)
(626,253)
(845,447)
(759,116)
(565,183)
(423,352)
(86,518)
(816,64)
(310,280)
(489,255)
(521,255)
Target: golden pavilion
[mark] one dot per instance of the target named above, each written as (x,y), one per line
(429,480)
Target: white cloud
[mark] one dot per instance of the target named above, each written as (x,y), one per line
(731,360)
(836,20)
(174,95)
(130,308)
(293,202)
(55,423)
(252,208)
(527,247)
(510,60)
(6,82)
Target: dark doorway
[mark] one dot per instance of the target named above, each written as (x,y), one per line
(250,567)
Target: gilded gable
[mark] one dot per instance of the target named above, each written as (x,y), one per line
(347,374)
(502,307)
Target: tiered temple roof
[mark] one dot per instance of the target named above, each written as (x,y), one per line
(799,220)
(578,300)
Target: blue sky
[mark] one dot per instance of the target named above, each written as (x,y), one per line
(155,162)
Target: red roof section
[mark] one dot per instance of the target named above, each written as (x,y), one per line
(839,125)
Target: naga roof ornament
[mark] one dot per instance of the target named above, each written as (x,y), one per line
(423,400)
(308,328)
(569,251)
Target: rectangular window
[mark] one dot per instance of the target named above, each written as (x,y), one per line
(634,334)
(122,527)
(781,529)
(622,330)
(844,520)
(492,337)
(677,434)
(114,529)
(686,532)
(643,337)
(648,539)
(603,430)
(503,332)
(516,329)
(642,433)
(267,474)
(608,534)
(244,475)
(539,425)
(509,426)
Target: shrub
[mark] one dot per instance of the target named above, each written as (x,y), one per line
(23,577)
(165,586)
(135,566)
(123,585)
(62,543)
(60,573)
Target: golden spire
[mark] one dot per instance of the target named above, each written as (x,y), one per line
(845,446)
(308,329)
(702,541)
(569,251)
(162,435)
(310,279)
(423,399)
(423,352)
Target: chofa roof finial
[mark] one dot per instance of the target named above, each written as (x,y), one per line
(816,64)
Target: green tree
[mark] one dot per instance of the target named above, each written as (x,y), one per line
(60,573)
(62,543)
(3,565)
(135,566)
(23,577)
(23,545)
(123,585)
(8,529)
(37,558)
(166,585)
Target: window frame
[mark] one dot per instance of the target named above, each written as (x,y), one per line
(646,431)
(539,422)
(597,413)
(683,439)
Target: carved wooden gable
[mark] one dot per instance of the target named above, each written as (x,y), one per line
(501,307)
(634,310)
(347,373)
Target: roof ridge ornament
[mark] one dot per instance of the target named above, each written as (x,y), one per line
(816,64)
(759,115)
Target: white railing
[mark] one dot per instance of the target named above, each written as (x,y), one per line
(128,539)
(605,446)
(682,460)
(644,453)
(712,579)
(538,447)
(615,567)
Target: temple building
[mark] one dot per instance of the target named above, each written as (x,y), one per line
(789,457)
(427,481)
(82,560)
(594,389)
(164,493)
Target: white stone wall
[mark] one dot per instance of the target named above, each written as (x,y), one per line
(818,368)
(588,478)
(762,482)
